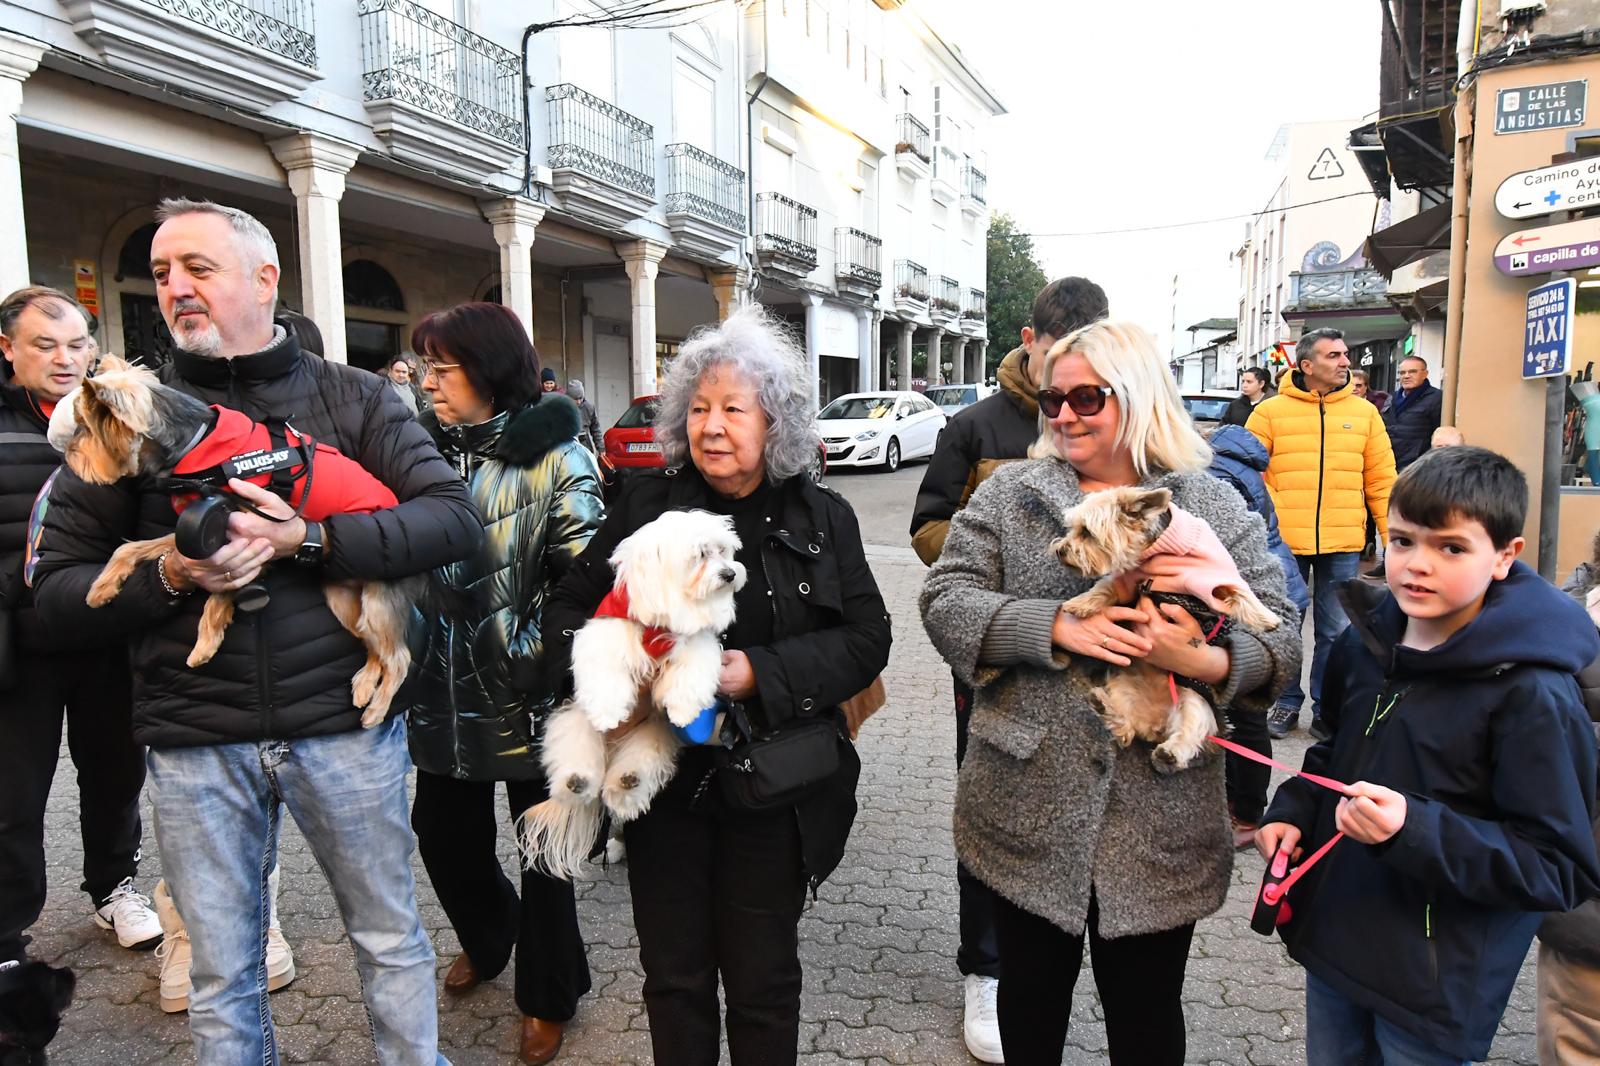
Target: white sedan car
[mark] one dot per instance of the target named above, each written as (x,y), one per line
(879,428)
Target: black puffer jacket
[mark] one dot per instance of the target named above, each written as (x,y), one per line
(480,685)
(282,672)
(997,429)
(830,628)
(1411,418)
(26,461)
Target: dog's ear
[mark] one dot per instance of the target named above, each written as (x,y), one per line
(1143,503)
(101,451)
(125,393)
(109,364)
(63,981)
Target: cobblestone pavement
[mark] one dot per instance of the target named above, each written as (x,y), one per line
(878,947)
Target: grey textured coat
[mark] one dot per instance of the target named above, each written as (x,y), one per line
(1048,806)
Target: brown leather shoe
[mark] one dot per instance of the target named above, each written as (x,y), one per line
(461,978)
(540,1041)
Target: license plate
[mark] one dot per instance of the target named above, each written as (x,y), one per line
(836,451)
(648,446)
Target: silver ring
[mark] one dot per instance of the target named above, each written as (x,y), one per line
(227,575)
(1105,642)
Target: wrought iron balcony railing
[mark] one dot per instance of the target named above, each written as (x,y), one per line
(698,183)
(787,227)
(282,27)
(860,256)
(914,138)
(975,184)
(911,280)
(414,55)
(977,308)
(1337,288)
(947,295)
(599,138)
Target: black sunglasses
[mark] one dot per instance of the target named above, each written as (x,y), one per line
(1085,400)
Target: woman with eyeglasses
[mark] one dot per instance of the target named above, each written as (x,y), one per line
(479,686)
(1083,841)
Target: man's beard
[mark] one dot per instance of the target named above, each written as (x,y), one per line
(206,342)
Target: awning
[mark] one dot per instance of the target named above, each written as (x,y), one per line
(1406,242)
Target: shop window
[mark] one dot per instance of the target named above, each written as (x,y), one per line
(366,284)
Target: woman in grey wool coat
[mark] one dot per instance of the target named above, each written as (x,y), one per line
(1081,838)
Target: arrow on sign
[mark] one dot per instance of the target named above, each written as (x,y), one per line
(1525,239)
(1520,204)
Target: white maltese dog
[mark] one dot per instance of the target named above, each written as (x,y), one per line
(657,629)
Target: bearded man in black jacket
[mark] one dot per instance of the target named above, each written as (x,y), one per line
(83,684)
(269,720)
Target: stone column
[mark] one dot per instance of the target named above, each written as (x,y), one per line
(875,339)
(981,374)
(935,356)
(643,261)
(865,349)
(907,335)
(813,306)
(731,287)
(958,360)
(19,57)
(515,220)
(317,166)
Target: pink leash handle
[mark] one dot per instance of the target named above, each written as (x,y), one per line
(1272,893)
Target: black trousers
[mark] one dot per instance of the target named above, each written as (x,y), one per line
(456,834)
(1247,781)
(717,891)
(93,693)
(1140,980)
(977,952)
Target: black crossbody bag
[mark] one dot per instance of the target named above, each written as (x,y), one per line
(762,771)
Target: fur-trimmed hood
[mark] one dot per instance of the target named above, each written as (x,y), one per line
(518,438)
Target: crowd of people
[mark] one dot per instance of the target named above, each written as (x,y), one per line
(1456,751)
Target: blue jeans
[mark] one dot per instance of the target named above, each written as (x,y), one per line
(216,824)
(1340,1033)
(1322,573)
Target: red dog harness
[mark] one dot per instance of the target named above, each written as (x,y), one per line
(657,641)
(239,447)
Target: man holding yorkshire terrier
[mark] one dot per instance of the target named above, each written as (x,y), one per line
(268,723)
(45,338)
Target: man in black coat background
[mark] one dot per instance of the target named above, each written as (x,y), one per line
(1413,412)
(44,683)
(269,722)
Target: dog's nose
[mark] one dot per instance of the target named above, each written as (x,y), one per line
(727,574)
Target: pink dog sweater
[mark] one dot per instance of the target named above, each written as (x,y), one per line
(1189,558)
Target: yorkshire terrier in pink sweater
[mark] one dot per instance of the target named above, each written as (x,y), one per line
(1140,543)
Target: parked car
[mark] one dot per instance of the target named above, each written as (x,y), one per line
(1206,408)
(952,398)
(879,428)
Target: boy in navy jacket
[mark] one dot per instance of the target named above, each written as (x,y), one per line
(1458,722)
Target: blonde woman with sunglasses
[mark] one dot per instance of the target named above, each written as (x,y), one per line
(1083,841)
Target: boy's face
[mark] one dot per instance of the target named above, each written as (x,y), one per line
(1440,575)
(1037,346)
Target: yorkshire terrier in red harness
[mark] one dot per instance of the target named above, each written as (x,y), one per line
(654,637)
(123,422)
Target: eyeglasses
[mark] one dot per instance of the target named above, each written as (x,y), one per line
(430,368)
(1085,400)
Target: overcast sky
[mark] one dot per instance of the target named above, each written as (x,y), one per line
(1138,113)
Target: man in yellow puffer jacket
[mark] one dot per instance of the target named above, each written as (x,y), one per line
(1331,463)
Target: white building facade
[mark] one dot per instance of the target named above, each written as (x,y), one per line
(409,155)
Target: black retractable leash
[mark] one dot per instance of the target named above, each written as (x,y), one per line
(202,527)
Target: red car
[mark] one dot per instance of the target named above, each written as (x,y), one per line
(631,443)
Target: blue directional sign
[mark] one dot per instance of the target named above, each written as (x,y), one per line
(1547,339)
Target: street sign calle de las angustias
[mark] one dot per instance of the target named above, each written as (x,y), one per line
(1547,338)
(1568,246)
(1541,107)
(1563,187)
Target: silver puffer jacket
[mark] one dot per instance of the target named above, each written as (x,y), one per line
(479,689)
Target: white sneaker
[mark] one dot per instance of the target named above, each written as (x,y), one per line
(982,1027)
(128,914)
(280,960)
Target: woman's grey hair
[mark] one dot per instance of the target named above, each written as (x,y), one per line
(255,242)
(751,343)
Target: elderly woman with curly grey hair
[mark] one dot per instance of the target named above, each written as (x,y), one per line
(718,887)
